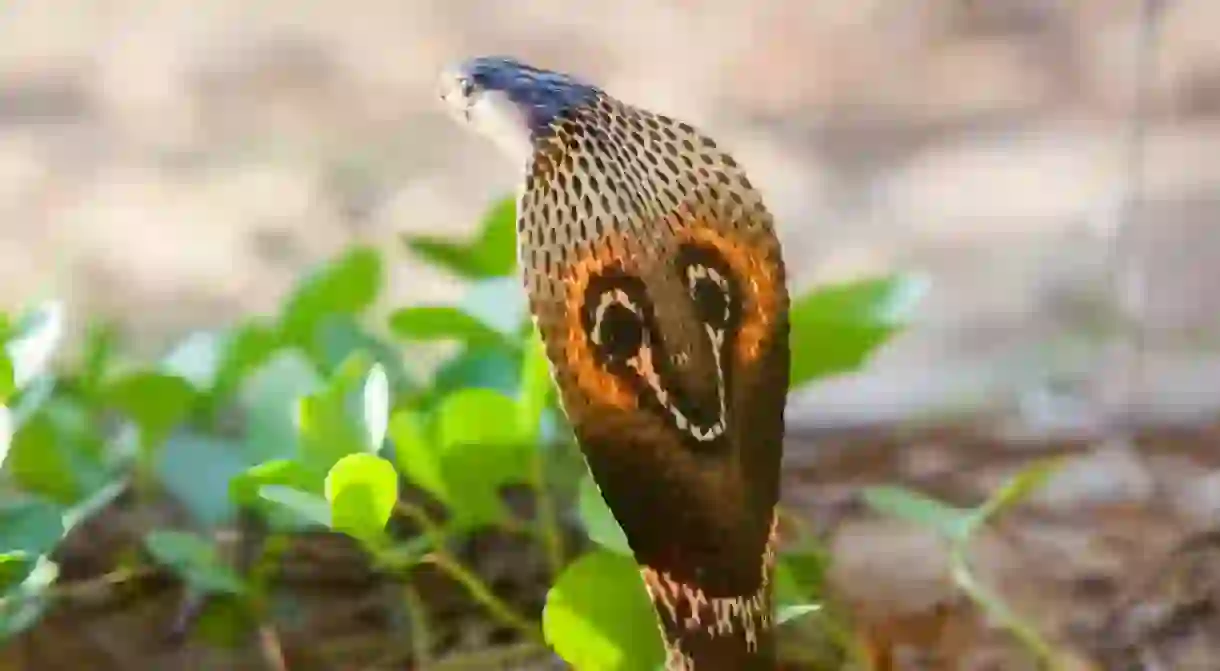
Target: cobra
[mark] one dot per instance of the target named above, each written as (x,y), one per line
(656,281)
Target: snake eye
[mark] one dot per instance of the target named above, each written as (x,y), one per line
(710,292)
(618,329)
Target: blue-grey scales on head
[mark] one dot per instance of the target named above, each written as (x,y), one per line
(656,280)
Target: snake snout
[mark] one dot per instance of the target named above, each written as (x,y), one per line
(455,90)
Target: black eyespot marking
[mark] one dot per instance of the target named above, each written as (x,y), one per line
(710,292)
(712,288)
(625,340)
(616,317)
(618,330)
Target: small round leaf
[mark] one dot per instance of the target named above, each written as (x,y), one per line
(599,522)
(362,490)
(598,616)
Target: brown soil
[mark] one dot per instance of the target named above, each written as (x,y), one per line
(1113,564)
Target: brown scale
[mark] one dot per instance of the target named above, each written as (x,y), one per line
(674,379)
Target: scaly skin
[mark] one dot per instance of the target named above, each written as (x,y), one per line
(656,280)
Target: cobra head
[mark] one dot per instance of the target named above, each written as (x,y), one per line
(656,280)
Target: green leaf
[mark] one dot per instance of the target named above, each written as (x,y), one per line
(6,433)
(482,368)
(193,559)
(196,359)
(477,417)
(29,527)
(376,407)
(481,451)
(271,396)
(328,422)
(348,285)
(8,383)
(953,523)
(327,433)
(474,449)
(800,578)
(197,470)
(836,328)
(22,606)
(309,508)
(429,323)
(156,402)
(452,256)
(32,399)
(244,489)
(38,463)
(418,458)
(100,344)
(244,350)
(31,349)
(536,388)
(339,337)
(496,249)
(362,490)
(598,615)
(599,522)
(492,254)
(800,575)
(788,613)
(15,567)
(61,450)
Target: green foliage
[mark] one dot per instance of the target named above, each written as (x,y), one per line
(6,433)
(598,615)
(445,323)
(599,522)
(24,603)
(308,419)
(836,329)
(8,380)
(155,402)
(347,286)
(362,490)
(194,560)
(492,254)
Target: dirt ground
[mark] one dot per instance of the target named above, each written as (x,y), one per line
(1116,563)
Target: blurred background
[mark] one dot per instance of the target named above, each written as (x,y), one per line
(177,165)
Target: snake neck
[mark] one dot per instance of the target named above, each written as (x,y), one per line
(705,632)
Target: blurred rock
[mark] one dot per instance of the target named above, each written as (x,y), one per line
(1111,474)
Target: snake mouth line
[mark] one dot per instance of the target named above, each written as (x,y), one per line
(683,417)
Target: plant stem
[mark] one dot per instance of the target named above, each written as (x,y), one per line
(964,578)
(421,649)
(79,589)
(548,521)
(271,647)
(427,525)
(483,594)
(475,586)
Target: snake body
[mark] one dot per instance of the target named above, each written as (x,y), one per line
(656,281)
